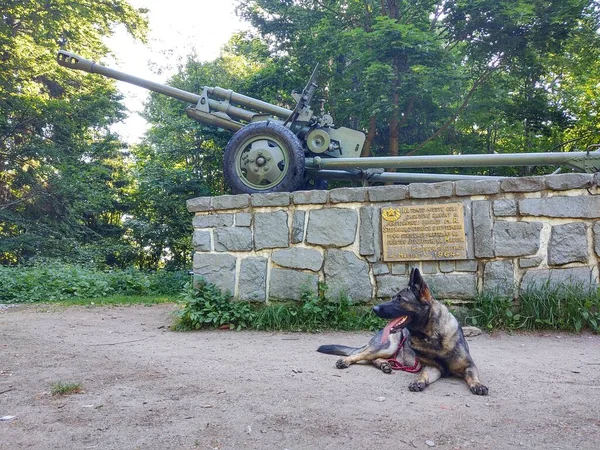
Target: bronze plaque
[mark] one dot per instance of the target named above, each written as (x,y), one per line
(423,232)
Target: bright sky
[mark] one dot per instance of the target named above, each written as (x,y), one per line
(177,28)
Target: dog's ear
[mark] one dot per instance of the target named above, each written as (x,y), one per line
(411,280)
(418,284)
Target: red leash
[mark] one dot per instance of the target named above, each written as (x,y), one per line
(397,365)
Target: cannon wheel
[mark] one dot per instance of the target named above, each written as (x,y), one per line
(263,157)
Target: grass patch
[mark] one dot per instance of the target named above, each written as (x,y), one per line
(564,307)
(208,307)
(119,300)
(61,388)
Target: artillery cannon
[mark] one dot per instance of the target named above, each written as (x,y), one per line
(274,149)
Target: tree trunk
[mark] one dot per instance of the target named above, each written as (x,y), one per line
(366,150)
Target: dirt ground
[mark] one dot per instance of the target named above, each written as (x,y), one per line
(146,387)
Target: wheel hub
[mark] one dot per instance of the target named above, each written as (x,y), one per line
(263,163)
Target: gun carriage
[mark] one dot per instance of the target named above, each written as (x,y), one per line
(275,149)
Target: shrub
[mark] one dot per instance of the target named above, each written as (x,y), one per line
(208,307)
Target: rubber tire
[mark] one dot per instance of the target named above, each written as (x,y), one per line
(290,144)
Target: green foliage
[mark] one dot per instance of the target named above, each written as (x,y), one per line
(566,308)
(51,282)
(448,77)
(62,388)
(207,307)
(61,169)
(493,312)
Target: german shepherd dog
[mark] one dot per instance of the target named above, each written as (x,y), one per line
(385,345)
(435,335)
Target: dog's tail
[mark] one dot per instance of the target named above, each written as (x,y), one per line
(340,350)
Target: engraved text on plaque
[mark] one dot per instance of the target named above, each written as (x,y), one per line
(423,232)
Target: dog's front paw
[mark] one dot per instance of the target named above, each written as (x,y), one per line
(386,367)
(341,364)
(417,386)
(479,389)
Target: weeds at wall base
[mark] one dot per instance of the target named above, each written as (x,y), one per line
(208,307)
(560,307)
(566,308)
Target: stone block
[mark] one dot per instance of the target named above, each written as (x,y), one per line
(579,277)
(271,230)
(446,266)
(390,285)
(505,207)
(526,263)
(398,268)
(429,267)
(482,229)
(568,243)
(455,286)
(309,197)
(233,239)
(231,201)
(523,184)
(271,199)
(298,226)
(476,187)
(335,227)
(565,181)
(212,220)
(298,258)
(380,268)
(431,190)
(252,286)
(287,284)
(347,274)
(465,266)
(243,219)
(369,233)
(199,204)
(201,241)
(516,238)
(582,207)
(218,269)
(347,195)
(499,278)
(387,193)
(596,230)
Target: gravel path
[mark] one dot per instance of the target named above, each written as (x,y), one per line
(145,387)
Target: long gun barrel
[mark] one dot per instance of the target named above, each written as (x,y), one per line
(207,110)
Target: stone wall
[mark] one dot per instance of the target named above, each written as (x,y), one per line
(520,233)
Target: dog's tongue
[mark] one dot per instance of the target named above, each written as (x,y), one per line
(388,328)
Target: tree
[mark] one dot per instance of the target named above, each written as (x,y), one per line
(61,170)
(425,76)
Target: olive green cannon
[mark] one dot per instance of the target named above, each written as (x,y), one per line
(275,149)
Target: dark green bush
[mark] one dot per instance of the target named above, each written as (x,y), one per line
(207,307)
